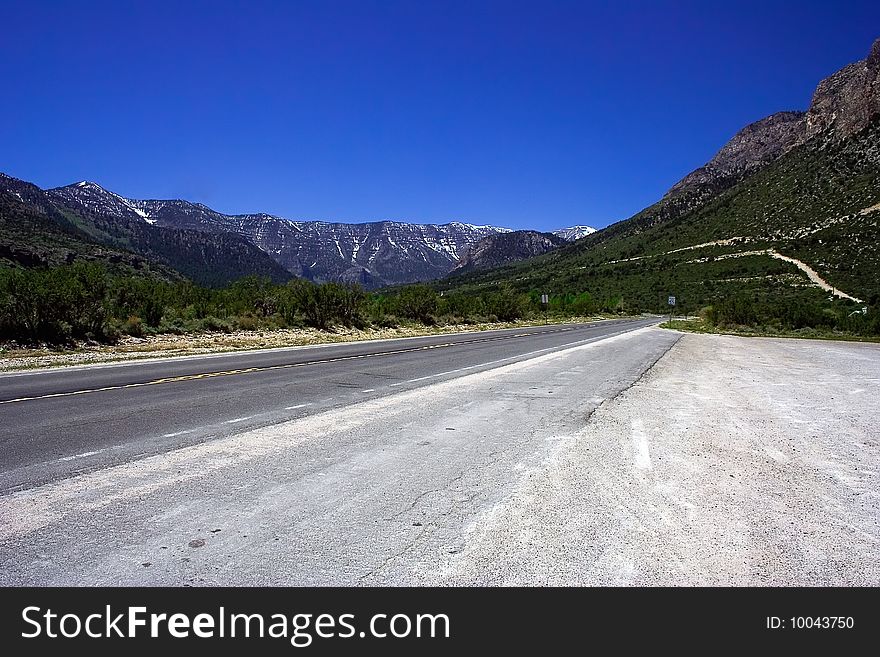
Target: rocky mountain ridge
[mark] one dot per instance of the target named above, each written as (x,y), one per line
(842,104)
(40,229)
(372,254)
(496,250)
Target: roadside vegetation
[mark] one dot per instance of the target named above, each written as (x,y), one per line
(85,302)
(740,315)
(820,203)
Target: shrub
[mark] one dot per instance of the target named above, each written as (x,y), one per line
(328,304)
(418,302)
(55,305)
(507,305)
(133,326)
(386,321)
(247,323)
(211,323)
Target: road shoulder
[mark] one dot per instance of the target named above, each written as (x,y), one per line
(733,461)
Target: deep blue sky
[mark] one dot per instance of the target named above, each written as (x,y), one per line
(525,114)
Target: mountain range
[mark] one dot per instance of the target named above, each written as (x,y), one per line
(214,248)
(793,193)
(39,229)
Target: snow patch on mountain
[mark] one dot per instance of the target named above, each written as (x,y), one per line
(573,233)
(373,254)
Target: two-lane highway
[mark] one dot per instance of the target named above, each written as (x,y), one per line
(369,463)
(55,423)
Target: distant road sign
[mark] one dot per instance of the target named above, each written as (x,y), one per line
(671,301)
(545,299)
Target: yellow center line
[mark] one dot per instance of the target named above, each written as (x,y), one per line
(265,368)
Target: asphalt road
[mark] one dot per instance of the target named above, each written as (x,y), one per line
(403,446)
(66,421)
(608,454)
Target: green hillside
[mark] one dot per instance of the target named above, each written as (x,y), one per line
(818,204)
(37,231)
(35,234)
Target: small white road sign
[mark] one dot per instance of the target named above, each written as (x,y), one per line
(671,301)
(545,299)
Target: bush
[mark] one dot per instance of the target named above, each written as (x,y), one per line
(133,326)
(328,304)
(418,302)
(583,305)
(247,323)
(386,321)
(55,305)
(452,320)
(211,323)
(252,295)
(461,305)
(507,305)
(737,310)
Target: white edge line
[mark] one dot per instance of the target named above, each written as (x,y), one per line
(64,459)
(177,433)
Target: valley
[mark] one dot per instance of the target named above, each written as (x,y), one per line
(437,327)
(784,218)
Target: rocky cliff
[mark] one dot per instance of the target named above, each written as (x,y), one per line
(843,104)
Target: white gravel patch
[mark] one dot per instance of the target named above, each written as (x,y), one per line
(734,461)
